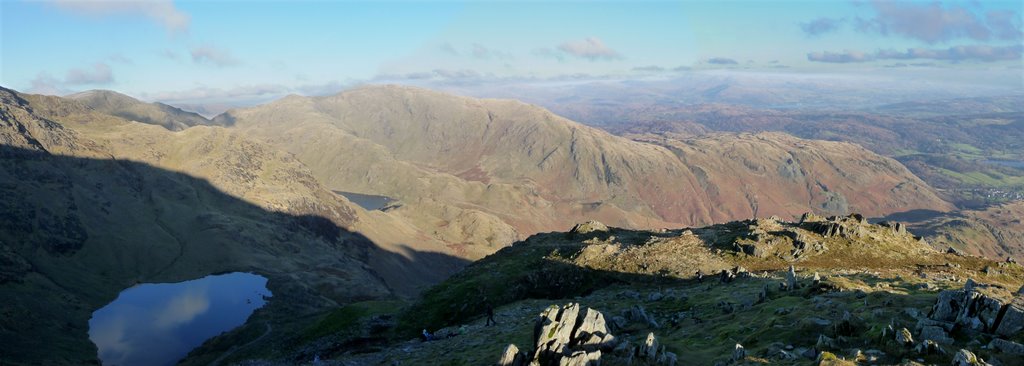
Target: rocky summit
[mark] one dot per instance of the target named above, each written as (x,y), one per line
(816,291)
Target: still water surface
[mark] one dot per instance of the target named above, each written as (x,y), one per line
(367,201)
(159,323)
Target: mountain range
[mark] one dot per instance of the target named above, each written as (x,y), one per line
(102,191)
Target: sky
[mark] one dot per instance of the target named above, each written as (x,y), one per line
(235,51)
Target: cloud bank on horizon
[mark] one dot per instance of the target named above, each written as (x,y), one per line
(235,52)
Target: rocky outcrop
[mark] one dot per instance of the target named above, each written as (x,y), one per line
(967,358)
(1012,321)
(512,357)
(565,336)
(588,227)
(573,336)
(969,309)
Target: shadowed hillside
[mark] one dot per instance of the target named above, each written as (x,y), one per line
(80,225)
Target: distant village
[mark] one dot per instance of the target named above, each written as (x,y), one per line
(990,195)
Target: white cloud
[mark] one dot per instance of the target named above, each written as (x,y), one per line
(183,309)
(983,53)
(214,55)
(99,73)
(591,48)
(483,52)
(448,48)
(46,84)
(161,11)
(932,22)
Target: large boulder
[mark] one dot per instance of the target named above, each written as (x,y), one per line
(738,353)
(638,314)
(563,336)
(791,283)
(553,333)
(972,310)
(936,334)
(1013,319)
(967,358)
(512,357)
(1007,347)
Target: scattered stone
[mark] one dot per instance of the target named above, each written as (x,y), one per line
(825,343)
(740,272)
(738,353)
(816,279)
(638,314)
(966,358)
(904,337)
(619,322)
(649,350)
(791,283)
(763,295)
(808,353)
(1007,347)
(929,347)
(656,296)
(845,326)
(859,356)
(936,334)
(954,251)
(726,276)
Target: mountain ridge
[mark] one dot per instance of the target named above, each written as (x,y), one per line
(492,155)
(121,105)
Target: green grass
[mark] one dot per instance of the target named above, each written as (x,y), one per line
(347,319)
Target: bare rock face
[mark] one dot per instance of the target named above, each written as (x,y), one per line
(972,310)
(512,357)
(588,227)
(565,336)
(1012,321)
(967,358)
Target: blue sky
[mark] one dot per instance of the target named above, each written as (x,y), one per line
(234,50)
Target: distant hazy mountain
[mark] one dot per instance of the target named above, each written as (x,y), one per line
(464,166)
(129,108)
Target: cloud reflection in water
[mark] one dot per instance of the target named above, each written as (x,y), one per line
(158,324)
